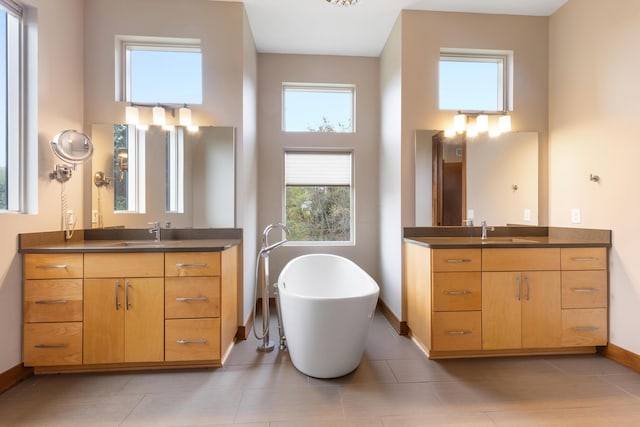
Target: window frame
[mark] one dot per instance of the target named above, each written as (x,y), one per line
(504,59)
(16,177)
(124,45)
(352,195)
(318,87)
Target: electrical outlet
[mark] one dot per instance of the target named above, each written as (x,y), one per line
(469,213)
(527,215)
(94,217)
(576,216)
(70,219)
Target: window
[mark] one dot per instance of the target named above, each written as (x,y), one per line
(175,170)
(129,170)
(318,108)
(319,196)
(159,71)
(10,105)
(475,80)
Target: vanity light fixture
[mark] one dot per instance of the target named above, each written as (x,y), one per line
(159,117)
(480,124)
(184,116)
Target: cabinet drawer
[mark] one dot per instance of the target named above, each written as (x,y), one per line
(456,260)
(584,327)
(52,344)
(459,330)
(52,266)
(192,339)
(136,264)
(457,291)
(530,259)
(191,297)
(192,263)
(58,300)
(584,289)
(584,258)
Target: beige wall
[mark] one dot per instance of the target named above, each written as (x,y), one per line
(593,121)
(59,106)
(229,75)
(422,36)
(273,70)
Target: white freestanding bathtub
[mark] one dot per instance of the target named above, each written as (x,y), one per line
(327,303)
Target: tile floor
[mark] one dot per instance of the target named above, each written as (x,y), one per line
(394,386)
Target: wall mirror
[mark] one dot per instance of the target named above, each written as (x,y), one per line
(179,178)
(482,179)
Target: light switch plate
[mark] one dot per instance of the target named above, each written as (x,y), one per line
(576,216)
(469,213)
(527,215)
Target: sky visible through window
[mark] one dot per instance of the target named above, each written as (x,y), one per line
(471,86)
(307,109)
(166,77)
(3,88)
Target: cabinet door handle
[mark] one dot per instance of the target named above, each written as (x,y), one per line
(458,293)
(126,295)
(192,299)
(61,266)
(51,346)
(117,295)
(198,264)
(528,291)
(455,261)
(579,259)
(58,301)
(585,290)
(586,328)
(200,341)
(463,332)
(519,287)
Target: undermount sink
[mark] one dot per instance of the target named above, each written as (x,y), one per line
(507,240)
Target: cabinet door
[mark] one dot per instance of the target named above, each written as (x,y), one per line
(541,309)
(417,271)
(144,320)
(501,310)
(103,321)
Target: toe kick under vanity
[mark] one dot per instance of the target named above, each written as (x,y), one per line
(100,304)
(521,291)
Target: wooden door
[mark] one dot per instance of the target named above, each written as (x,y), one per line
(501,310)
(144,320)
(541,309)
(103,337)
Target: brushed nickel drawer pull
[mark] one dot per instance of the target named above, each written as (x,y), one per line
(458,293)
(53,266)
(51,346)
(193,299)
(60,301)
(528,292)
(127,304)
(519,286)
(200,341)
(117,286)
(453,261)
(199,264)
(585,290)
(459,332)
(586,328)
(585,259)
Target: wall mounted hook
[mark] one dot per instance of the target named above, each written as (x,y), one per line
(594,178)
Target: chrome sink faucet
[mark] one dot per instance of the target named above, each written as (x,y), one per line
(485,228)
(155,229)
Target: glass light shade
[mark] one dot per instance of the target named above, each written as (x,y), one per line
(184,115)
(131,116)
(159,116)
(504,123)
(459,123)
(482,123)
(449,133)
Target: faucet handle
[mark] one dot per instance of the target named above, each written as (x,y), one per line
(156,224)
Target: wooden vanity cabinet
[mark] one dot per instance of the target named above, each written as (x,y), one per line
(473,302)
(52,307)
(123,308)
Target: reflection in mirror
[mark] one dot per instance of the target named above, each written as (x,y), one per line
(181,178)
(501,182)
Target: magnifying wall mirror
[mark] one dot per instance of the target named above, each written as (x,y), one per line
(72,147)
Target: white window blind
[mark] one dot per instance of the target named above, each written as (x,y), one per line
(317,169)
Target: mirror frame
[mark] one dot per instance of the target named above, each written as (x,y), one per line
(63,148)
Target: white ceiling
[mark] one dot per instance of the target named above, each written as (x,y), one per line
(315,27)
